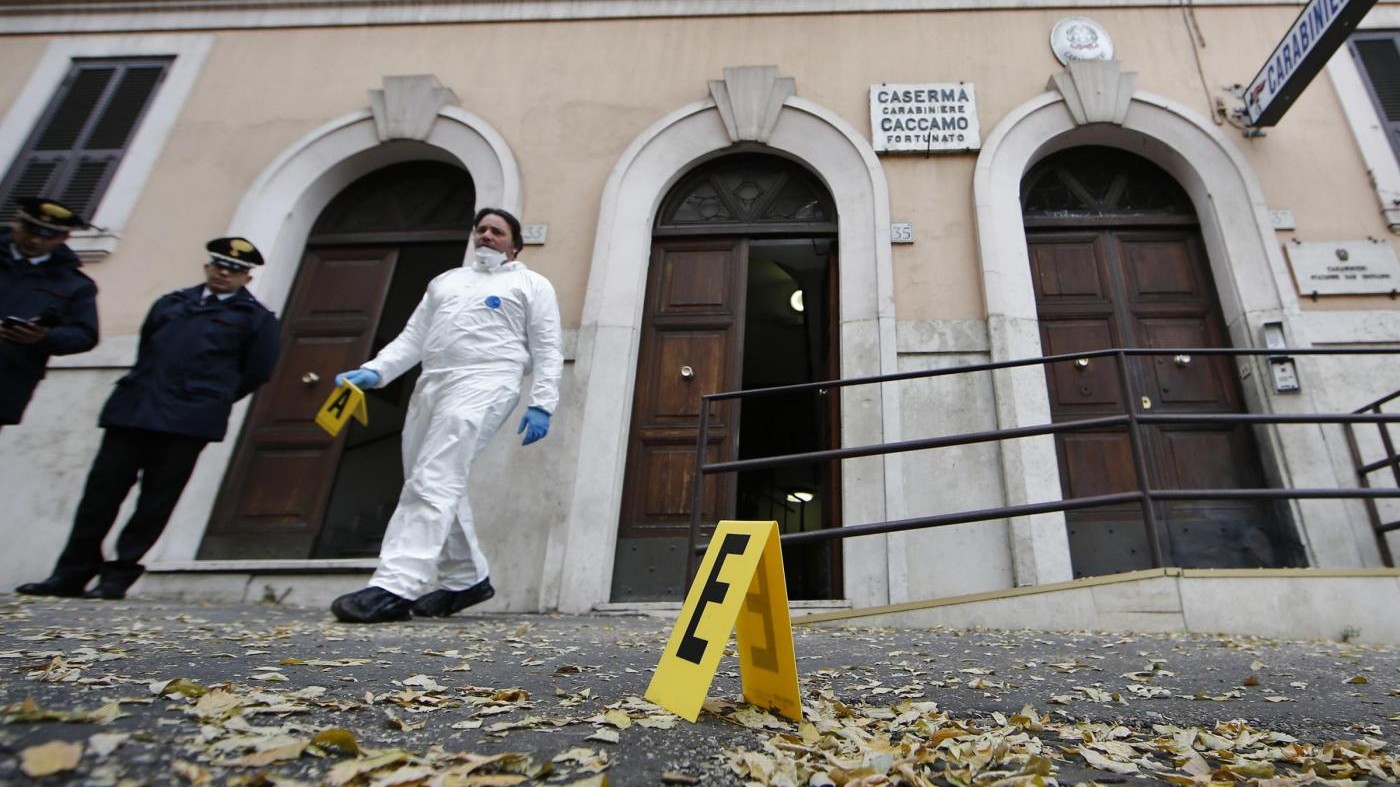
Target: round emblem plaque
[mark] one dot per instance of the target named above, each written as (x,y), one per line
(1080,38)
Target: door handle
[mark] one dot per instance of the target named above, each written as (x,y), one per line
(1182,360)
(1146,403)
(311,378)
(687,373)
(1081,363)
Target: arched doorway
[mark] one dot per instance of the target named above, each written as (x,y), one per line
(291,491)
(1117,260)
(741,293)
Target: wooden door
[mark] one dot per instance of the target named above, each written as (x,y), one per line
(274,496)
(1098,289)
(690,346)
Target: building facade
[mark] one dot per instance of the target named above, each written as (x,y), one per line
(711,189)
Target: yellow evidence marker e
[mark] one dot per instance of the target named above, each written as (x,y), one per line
(740,586)
(345,401)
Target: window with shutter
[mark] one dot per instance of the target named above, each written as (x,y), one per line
(1378,55)
(80,139)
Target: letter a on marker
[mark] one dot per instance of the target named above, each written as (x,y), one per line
(344,402)
(739,586)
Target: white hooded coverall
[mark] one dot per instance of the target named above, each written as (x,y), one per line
(478,331)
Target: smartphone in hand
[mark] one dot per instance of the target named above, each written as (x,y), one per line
(42,321)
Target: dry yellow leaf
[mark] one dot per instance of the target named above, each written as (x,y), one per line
(337,739)
(191,773)
(283,753)
(50,758)
(347,771)
(187,688)
(618,718)
(1104,763)
(604,734)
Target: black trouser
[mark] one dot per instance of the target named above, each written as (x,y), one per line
(164,462)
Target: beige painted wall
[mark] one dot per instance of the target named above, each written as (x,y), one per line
(19,55)
(570,96)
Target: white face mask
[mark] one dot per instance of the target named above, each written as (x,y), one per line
(488,259)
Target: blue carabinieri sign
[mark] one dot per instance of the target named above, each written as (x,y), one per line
(1314,36)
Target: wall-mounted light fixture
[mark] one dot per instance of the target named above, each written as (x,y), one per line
(796,301)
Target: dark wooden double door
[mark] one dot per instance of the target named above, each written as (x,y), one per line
(1100,288)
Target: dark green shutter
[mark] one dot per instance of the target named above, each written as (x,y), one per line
(1379,59)
(83,134)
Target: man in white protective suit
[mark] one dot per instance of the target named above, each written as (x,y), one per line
(478,331)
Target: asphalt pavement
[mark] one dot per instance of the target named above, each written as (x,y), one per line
(141,692)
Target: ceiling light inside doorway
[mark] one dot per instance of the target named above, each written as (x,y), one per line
(796,301)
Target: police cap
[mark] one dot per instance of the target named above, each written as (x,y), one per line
(236,253)
(48,218)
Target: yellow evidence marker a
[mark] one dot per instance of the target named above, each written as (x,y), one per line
(345,401)
(740,585)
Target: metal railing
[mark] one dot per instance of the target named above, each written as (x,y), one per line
(1364,469)
(1134,422)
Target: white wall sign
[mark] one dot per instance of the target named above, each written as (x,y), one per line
(1080,38)
(924,118)
(534,234)
(902,232)
(1344,267)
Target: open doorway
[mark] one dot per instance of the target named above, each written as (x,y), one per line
(787,341)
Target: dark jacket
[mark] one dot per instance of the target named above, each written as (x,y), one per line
(59,294)
(193,363)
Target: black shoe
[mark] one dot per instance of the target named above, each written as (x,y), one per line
(444,602)
(371,605)
(51,587)
(106,592)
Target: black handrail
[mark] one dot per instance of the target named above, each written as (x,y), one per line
(1146,496)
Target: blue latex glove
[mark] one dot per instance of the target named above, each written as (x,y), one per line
(535,425)
(360,378)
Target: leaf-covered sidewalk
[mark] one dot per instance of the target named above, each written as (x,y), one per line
(143,692)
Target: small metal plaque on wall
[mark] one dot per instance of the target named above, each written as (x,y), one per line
(1365,267)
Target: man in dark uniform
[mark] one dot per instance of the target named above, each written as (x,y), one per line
(202,349)
(48,306)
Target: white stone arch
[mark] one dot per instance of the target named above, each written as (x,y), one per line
(411,119)
(1091,103)
(751,109)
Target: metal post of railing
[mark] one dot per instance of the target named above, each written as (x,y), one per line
(1394,461)
(697,488)
(1389,446)
(1149,513)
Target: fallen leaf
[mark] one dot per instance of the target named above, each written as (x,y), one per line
(1105,763)
(50,758)
(104,743)
(605,735)
(337,739)
(348,770)
(618,719)
(191,773)
(258,759)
